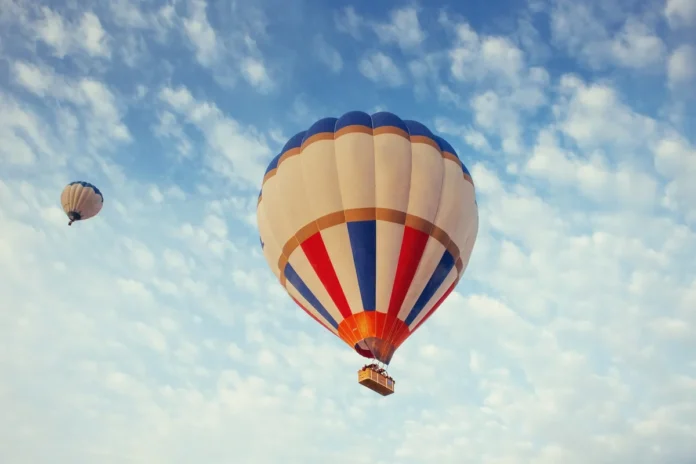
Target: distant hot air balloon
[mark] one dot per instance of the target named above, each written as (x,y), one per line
(81,200)
(368,222)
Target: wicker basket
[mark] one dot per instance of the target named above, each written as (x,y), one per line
(376,382)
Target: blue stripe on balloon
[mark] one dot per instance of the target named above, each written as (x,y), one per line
(353,118)
(88,185)
(466,171)
(294,142)
(434,283)
(363,242)
(320,127)
(417,129)
(446,147)
(273,164)
(386,119)
(293,277)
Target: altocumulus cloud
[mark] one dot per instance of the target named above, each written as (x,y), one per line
(156,334)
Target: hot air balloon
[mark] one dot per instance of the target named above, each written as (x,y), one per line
(81,200)
(368,222)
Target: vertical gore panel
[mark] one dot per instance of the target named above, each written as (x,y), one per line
(318,257)
(432,256)
(363,240)
(303,267)
(355,162)
(412,247)
(441,271)
(338,246)
(435,307)
(292,192)
(271,249)
(307,294)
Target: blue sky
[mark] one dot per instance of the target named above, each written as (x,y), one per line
(155,333)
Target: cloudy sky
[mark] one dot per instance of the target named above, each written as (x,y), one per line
(155,333)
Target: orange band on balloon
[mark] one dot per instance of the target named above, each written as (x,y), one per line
(367,325)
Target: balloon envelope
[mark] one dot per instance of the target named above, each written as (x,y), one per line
(368,221)
(81,200)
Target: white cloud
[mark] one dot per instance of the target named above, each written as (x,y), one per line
(675,159)
(86,35)
(636,46)
(349,22)
(595,116)
(327,54)
(134,50)
(168,127)
(493,115)
(592,176)
(229,54)
(404,29)
(680,13)
(202,35)
(672,327)
(471,136)
(476,58)
(380,68)
(238,153)
(32,78)
(136,22)
(126,13)
(101,115)
(255,73)
(425,71)
(510,89)
(585,31)
(681,66)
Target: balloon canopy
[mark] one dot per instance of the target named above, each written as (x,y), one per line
(81,200)
(368,221)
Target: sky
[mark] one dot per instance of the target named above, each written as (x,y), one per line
(156,333)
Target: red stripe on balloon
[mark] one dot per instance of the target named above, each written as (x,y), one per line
(317,255)
(412,247)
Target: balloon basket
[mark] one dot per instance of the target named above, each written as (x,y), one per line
(376,381)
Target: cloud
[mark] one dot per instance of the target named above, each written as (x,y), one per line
(380,68)
(674,159)
(471,136)
(229,54)
(508,87)
(595,116)
(256,74)
(636,46)
(585,31)
(97,104)
(681,66)
(83,36)
(404,29)
(349,22)
(327,54)
(593,177)
(202,35)
(680,13)
(237,153)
